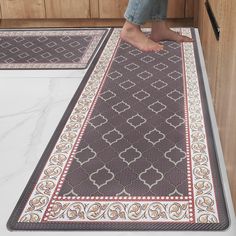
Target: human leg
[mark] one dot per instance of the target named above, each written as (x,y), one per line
(159,10)
(160,31)
(138,11)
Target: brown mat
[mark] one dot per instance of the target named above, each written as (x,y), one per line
(49,48)
(134,150)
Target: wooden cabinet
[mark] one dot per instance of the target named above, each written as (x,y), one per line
(220,58)
(116,8)
(67,8)
(94,8)
(226,87)
(189,8)
(181,9)
(216,8)
(22,9)
(80,9)
(210,46)
(176,9)
(112,8)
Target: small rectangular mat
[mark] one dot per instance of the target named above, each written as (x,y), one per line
(133,151)
(49,48)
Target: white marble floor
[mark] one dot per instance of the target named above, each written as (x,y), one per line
(32,104)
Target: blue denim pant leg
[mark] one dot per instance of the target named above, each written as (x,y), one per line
(139,11)
(159,11)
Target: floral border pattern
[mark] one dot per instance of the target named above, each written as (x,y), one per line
(203,191)
(45,204)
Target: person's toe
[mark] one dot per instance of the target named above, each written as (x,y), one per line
(187,39)
(183,38)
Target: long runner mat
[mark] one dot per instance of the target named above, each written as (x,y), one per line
(49,48)
(133,151)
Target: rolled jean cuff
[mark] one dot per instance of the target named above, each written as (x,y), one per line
(132,20)
(158,18)
(140,11)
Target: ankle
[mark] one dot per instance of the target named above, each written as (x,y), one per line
(129,27)
(159,26)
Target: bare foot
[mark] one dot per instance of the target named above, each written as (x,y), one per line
(160,32)
(132,34)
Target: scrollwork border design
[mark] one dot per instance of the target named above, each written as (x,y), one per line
(203,187)
(44,204)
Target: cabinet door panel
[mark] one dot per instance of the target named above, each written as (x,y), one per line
(22,9)
(176,9)
(94,8)
(67,9)
(112,8)
(226,86)
(210,46)
(216,8)
(189,8)
(116,8)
